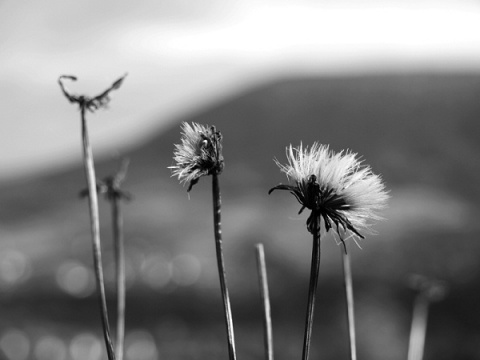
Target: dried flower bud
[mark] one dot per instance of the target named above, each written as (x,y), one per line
(89,103)
(199,154)
(110,185)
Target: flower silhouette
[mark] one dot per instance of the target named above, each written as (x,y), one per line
(199,154)
(336,187)
(89,103)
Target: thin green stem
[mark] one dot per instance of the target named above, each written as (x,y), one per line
(95,229)
(314,271)
(120,274)
(267,318)
(221,267)
(347,282)
(419,328)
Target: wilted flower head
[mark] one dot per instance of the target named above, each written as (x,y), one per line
(199,154)
(336,187)
(89,103)
(110,186)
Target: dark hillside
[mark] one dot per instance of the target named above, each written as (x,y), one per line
(410,127)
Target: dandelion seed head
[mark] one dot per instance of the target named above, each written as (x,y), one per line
(198,154)
(342,193)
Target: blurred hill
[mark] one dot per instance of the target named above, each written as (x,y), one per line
(420,131)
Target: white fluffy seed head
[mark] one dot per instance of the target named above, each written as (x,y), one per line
(363,191)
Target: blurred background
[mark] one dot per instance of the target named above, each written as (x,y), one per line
(398,82)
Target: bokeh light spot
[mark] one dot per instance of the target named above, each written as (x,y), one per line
(186,269)
(140,345)
(156,271)
(14,267)
(50,348)
(75,279)
(15,344)
(86,346)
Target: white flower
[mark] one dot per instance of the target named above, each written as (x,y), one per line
(199,154)
(337,187)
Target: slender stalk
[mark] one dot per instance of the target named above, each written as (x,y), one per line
(267,318)
(120,274)
(95,229)
(419,328)
(347,282)
(315,267)
(221,267)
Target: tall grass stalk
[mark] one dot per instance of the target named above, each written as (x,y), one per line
(347,282)
(428,291)
(217,204)
(120,276)
(93,103)
(95,230)
(115,195)
(267,317)
(419,328)
(314,271)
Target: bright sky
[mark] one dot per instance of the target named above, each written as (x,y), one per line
(181,55)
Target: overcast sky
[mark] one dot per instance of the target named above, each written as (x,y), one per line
(182,54)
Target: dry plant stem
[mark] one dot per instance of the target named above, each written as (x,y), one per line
(419,328)
(312,289)
(347,281)
(120,274)
(267,318)
(95,228)
(221,267)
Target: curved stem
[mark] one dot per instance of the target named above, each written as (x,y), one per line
(120,274)
(95,228)
(315,267)
(267,318)
(221,267)
(347,277)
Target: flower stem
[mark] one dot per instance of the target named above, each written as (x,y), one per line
(347,282)
(419,328)
(221,267)
(120,274)
(95,229)
(315,267)
(267,318)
